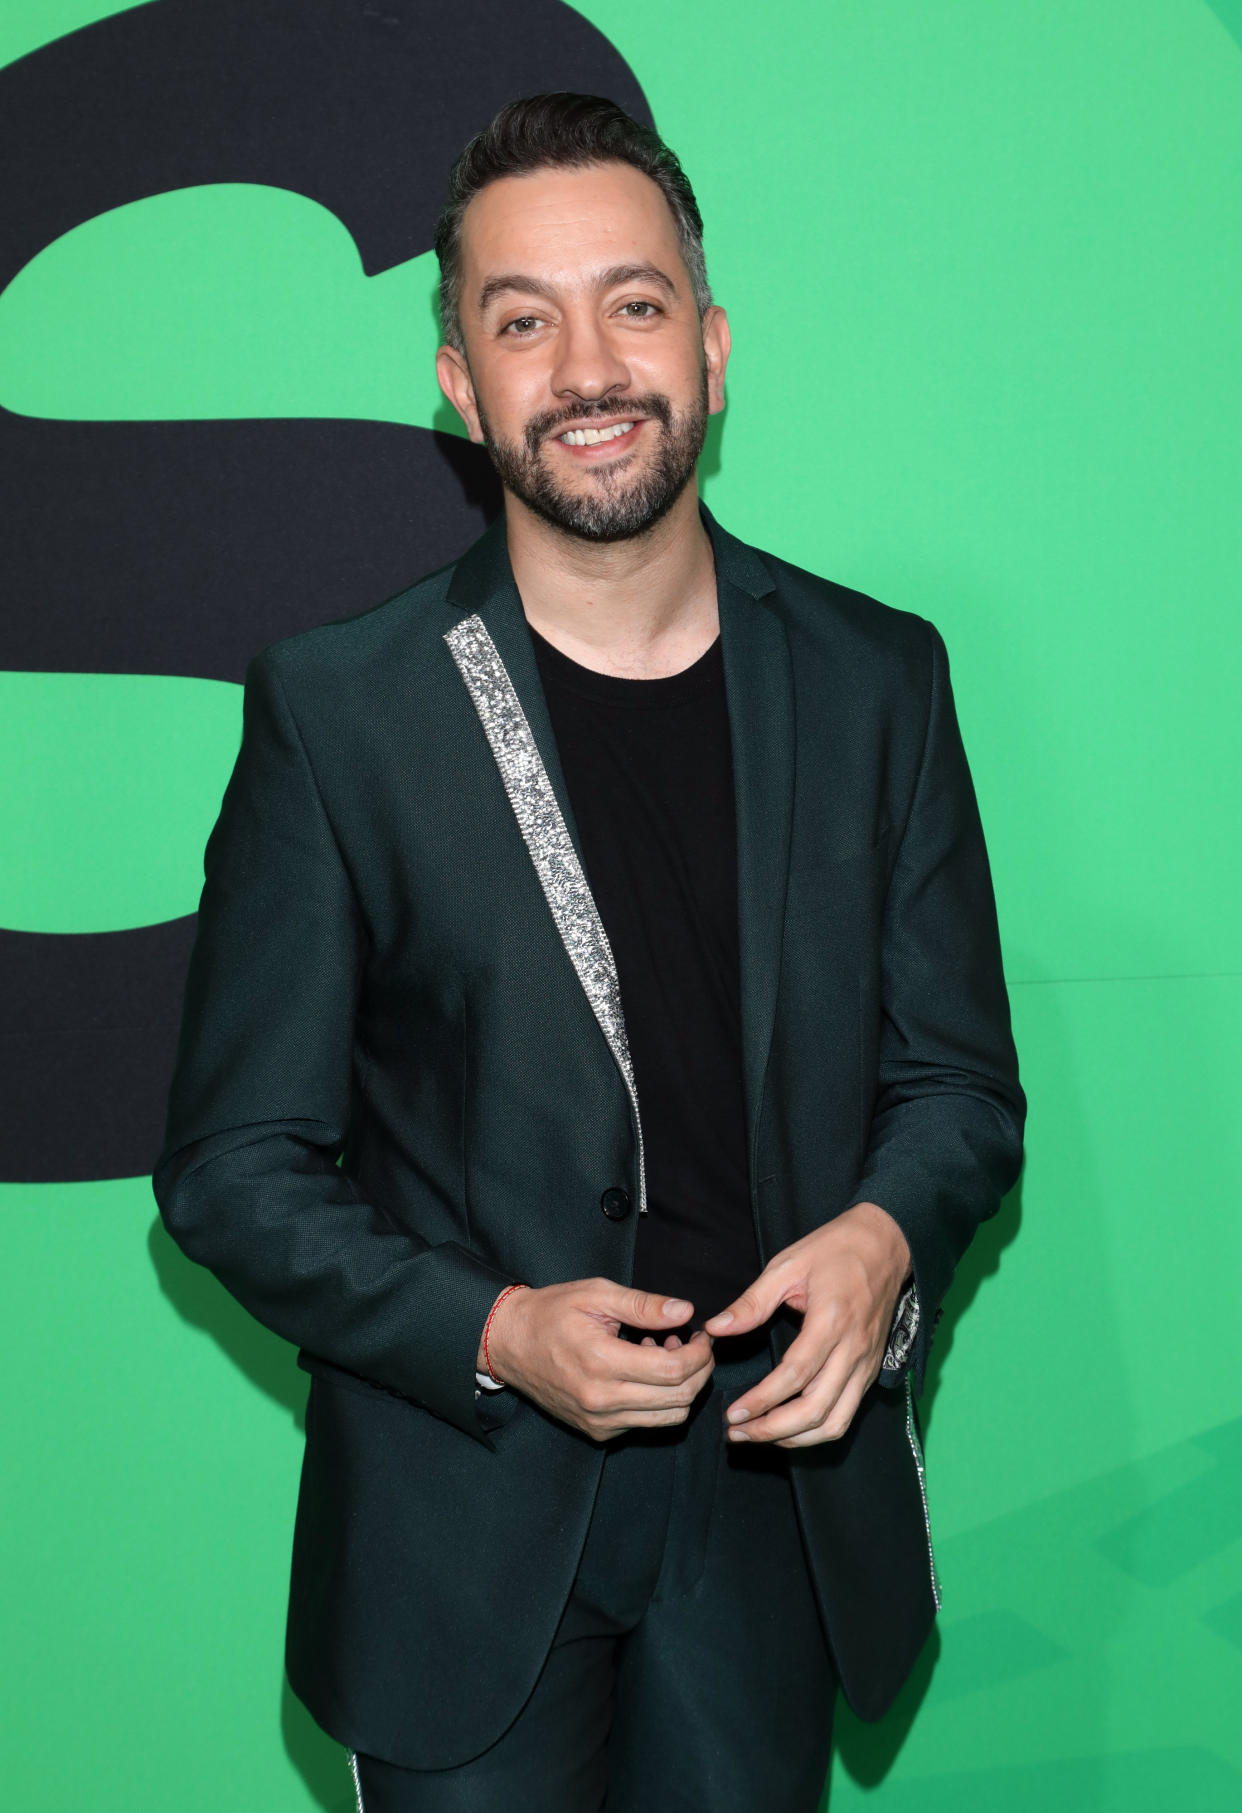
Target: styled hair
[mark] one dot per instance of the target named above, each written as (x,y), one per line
(568,132)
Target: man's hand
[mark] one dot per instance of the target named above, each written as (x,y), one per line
(845,1278)
(559,1345)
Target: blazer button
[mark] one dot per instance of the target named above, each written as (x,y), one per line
(615,1203)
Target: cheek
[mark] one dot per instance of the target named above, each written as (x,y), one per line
(673,373)
(517,392)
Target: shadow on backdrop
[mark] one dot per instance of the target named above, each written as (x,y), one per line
(268,1363)
(201,1300)
(868,1751)
(322,1763)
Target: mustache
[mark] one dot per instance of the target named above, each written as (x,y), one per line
(653,405)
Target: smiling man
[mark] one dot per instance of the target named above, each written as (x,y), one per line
(596,1058)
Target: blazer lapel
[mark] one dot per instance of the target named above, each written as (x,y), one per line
(760,697)
(492,648)
(496,659)
(483,585)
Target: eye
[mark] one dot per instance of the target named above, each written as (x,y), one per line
(639,310)
(522,324)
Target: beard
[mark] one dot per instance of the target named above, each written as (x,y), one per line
(614,505)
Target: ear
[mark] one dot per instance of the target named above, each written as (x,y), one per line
(453,375)
(716,346)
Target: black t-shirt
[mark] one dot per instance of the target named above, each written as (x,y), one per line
(649,771)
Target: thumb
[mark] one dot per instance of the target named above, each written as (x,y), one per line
(645,1309)
(755,1304)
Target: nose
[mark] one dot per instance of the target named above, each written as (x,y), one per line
(587,363)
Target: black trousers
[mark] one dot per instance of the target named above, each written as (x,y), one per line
(689,1671)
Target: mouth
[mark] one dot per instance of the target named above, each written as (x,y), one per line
(595,440)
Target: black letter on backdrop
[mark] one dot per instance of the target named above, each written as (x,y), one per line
(183,547)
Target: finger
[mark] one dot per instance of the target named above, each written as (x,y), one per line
(807,1356)
(612,1398)
(650,1341)
(617,1360)
(604,1428)
(756,1303)
(639,1309)
(837,1423)
(823,1412)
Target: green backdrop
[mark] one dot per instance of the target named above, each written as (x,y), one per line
(981,261)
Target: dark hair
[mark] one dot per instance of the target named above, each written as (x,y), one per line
(562,131)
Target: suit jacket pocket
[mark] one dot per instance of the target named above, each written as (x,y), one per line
(495,1407)
(352,1381)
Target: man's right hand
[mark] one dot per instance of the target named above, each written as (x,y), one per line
(560,1345)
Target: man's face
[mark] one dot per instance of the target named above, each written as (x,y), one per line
(579,321)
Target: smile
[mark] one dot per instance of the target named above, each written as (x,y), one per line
(594,437)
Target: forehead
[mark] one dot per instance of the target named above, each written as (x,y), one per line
(558,224)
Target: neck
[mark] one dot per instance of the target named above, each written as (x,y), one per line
(641,608)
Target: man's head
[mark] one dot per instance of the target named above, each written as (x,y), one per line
(574,301)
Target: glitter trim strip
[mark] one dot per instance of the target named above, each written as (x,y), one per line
(547,838)
(353,1770)
(916,1448)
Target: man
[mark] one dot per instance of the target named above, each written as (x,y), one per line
(613,906)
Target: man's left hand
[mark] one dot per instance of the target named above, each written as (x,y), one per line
(845,1279)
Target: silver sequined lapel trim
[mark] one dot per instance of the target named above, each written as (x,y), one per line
(547,838)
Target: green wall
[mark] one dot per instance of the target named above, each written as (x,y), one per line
(981,262)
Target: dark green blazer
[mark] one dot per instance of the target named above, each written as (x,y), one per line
(399,967)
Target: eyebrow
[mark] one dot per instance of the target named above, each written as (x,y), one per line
(605,280)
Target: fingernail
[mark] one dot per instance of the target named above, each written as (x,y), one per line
(673,1306)
(737,1413)
(721,1321)
(738,1435)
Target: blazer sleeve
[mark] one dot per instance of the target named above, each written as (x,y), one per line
(247,1182)
(947,1126)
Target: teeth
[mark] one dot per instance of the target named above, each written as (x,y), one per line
(591,437)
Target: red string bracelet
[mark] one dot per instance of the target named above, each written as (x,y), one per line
(487,1325)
